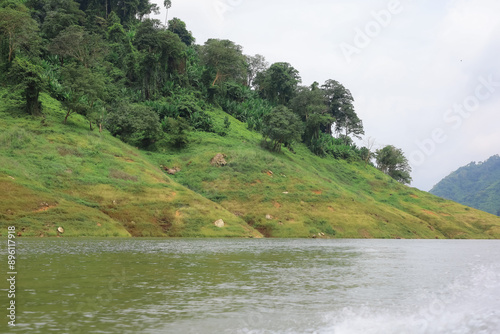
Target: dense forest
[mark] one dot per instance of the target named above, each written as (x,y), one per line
(149,84)
(476,185)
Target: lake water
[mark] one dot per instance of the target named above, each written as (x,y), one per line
(256,286)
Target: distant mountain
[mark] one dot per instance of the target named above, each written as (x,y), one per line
(476,185)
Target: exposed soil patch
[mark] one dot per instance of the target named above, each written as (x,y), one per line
(118,174)
(429,212)
(45,207)
(365,234)
(266,231)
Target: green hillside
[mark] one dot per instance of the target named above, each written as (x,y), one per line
(115,124)
(92,184)
(476,185)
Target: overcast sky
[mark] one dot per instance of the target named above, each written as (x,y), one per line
(425,75)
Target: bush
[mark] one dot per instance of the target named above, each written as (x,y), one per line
(177,130)
(135,124)
(185,105)
(283,127)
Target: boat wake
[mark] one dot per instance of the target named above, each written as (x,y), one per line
(468,305)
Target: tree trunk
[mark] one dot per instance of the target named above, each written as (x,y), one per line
(11,51)
(67,115)
(33,106)
(217,77)
(11,46)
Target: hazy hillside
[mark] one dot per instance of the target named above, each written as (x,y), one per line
(92,184)
(476,185)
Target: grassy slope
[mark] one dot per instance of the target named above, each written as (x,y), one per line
(93,185)
(305,194)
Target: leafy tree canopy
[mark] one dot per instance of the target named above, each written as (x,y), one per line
(309,104)
(391,161)
(18,28)
(278,83)
(77,43)
(26,74)
(340,106)
(225,59)
(282,126)
(177,26)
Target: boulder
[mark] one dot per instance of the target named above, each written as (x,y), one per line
(219,223)
(173,171)
(219,160)
(269,217)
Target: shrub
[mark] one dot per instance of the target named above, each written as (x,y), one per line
(177,130)
(135,124)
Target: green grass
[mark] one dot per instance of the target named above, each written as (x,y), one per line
(91,184)
(305,195)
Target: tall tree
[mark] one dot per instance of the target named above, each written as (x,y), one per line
(278,83)
(340,106)
(84,91)
(57,15)
(75,42)
(391,161)
(161,53)
(224,59)
(351,125)
(178,27)
(26,74)
(18,28)
(167,4)
(309,104)
(256,65)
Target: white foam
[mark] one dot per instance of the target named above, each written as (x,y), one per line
(468,305)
